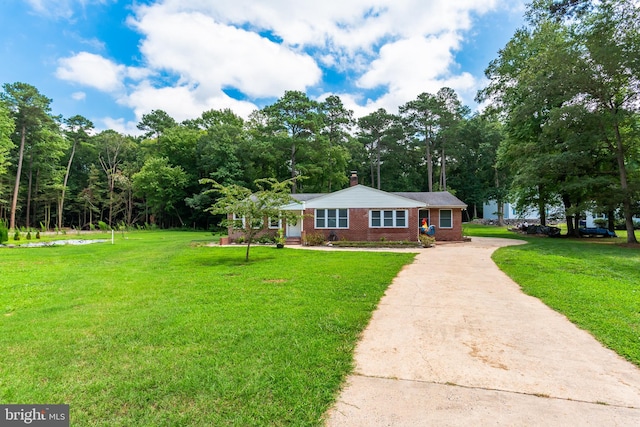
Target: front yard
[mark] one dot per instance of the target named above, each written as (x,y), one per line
(160,329)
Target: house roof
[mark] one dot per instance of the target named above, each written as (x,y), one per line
(360,196)
(439,199)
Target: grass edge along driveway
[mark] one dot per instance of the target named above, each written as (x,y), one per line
(595,282)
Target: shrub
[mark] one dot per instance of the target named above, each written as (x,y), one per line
(266,239)
(37,234)
(600,222)
(314,239)
(621,225)
(427,241)
(4,232)
(29,235)
(103,226)
(16,235)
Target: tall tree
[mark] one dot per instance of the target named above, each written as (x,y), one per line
(44,172)
(112,148)
(162,186)
(337,124)
(77,131)
(7,127)
(294,120)
(609,37)
(30,110)
(420,118)
(576,63)
(155,123)
(473,166)
(451,112)
(372,130)
(218,147)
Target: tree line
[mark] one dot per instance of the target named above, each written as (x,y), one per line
(59,172)
(562,126)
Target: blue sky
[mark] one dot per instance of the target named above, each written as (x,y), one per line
(112,61)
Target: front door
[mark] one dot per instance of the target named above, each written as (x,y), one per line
(294,230)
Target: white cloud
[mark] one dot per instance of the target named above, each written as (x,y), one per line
(181,102)
(405,46)
(91,70)
(120,125)
(65,9)
(213,55)
(97,71)
(79,96)
(194,50)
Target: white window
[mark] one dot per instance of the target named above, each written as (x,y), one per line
(388,219)
(257,223)
(446,218)
(275,223)
(332,218)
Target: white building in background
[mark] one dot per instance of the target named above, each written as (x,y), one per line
(490,212)
(490,209)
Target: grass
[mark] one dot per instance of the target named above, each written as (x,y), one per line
(160,330)
(595,282)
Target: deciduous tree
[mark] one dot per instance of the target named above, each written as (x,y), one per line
(251,208)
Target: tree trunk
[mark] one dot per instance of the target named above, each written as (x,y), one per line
(378,161)
(429,165)
(16,188)
(36,189)
(294,188)
(611,221)
(572,230)
(443,172)
(500,213)
(543,213)
(64,185)
(624,185)
(373,176)
(29,184)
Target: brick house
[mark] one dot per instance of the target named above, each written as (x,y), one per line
(360,213)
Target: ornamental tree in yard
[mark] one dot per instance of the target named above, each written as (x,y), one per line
(251,208)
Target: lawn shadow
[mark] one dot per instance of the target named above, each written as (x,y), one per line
(233,256)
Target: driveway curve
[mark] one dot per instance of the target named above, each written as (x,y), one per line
(455,342)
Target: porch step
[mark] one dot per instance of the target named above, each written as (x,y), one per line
(294,241)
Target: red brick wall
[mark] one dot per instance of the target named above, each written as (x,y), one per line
(359,227)
(447,234)
(235,234)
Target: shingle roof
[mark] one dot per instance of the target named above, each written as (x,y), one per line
(440,199)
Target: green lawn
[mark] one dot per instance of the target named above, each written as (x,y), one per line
(595,282)
(161,330)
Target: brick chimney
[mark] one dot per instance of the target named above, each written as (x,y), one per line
(353,180)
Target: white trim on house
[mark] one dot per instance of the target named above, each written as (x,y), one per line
(339,221)
(450,219)
(384,220)
(277,221)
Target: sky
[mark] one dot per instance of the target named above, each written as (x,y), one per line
(113,61)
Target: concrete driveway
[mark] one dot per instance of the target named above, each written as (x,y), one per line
(455,342)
